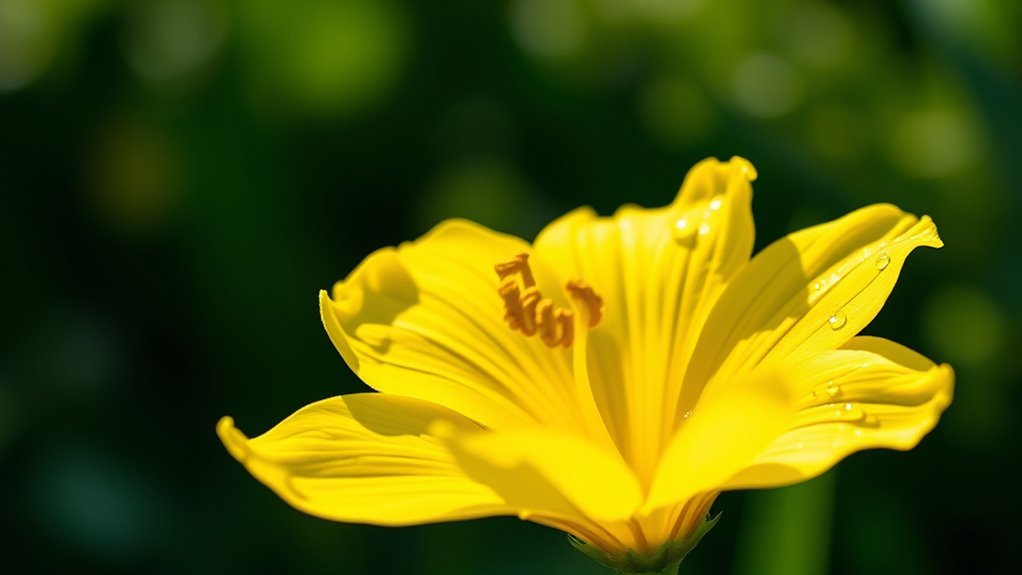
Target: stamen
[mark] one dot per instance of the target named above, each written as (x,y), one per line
(584,295)
(519,265)
(527,311)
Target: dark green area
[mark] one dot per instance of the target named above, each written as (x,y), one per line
(179,178)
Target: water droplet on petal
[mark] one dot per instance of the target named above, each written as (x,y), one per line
(715,203)
(837,321)
(683,229)
(704,228)
(832,389)
(687,414)
(883,260)
(850,412)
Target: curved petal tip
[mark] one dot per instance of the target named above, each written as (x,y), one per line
(334,330)
(744,167)
(233,439)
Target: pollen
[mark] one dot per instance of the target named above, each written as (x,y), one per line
(527,311)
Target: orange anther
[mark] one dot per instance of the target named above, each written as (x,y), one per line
(520,266)
(584,294)
(527,311)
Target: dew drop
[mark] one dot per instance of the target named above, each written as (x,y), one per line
(837,321)
(715,203)
(687,414)
(883,260)
(832,389)
(683,229)
(704,228)
(850,412)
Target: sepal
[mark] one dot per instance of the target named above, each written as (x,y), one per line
(664,560)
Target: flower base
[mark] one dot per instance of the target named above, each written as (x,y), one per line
(663,561)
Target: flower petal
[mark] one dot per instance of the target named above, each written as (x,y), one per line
(549,472)
(659,272)
(727,430)
(811,291)
(871,393)
(365,458)
(424,320)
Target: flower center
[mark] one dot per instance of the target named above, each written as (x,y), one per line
(527,311)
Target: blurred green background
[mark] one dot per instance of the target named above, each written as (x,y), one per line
(180,177)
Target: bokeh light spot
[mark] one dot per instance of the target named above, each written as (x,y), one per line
(136,177)
(34,34)
(964,324)
(934,143)
(548,28)
(818,34)
(766,85)
(96,503)
(669,11)
(27,42)
(171,39)
(331,58)
(490,193)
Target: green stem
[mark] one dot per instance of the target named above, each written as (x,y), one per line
(787,531)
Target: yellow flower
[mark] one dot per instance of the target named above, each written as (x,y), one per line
(611,378)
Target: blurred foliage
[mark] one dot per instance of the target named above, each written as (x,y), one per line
(180,177)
